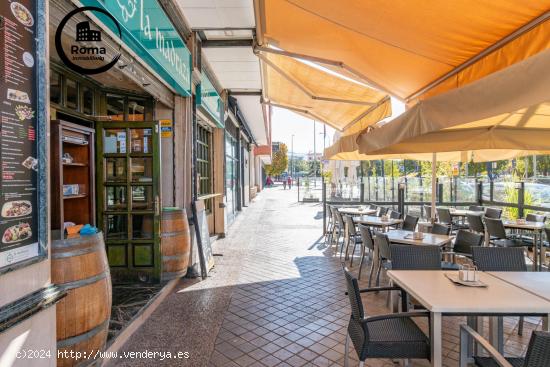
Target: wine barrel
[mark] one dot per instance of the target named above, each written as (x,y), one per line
(79,266)
(175,243)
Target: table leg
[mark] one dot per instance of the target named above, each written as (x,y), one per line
(535,252)
(436,339)
(546,323)
(496,332)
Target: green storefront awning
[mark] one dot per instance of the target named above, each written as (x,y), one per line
(210,101)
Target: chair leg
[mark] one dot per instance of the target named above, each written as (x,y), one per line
(352,253)
(346,242)
(346,351)
(520,326)
(361,261)
(378,273)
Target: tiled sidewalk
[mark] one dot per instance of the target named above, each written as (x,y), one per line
(275,298)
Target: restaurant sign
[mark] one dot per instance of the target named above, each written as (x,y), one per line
(210,100)
(18,125)
(147,31)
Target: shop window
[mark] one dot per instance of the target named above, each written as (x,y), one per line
(204,166)
(115,107)
(55,87)
(87,100)
(136,110)
(72,94)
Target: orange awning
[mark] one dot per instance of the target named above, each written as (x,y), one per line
(319,94)
(410,49)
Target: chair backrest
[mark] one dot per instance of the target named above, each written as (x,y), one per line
(373,207)
(476,208)
(440,229)
(475,223)
(383,211)
(495,228)
(350,224)
(366,236)
(352,286)
(333,211)
(494,213)
(465,240)
(413,257)
(538,351)
(383,243)
(409,224)
(531,217)
(499,258)
(444,215)
(395,214)
(339,218)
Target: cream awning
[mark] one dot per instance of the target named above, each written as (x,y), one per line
(320,94)
(509,109)
(410,49)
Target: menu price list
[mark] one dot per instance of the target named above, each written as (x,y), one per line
(18,146)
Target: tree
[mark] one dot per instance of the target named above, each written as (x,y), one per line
(279,163)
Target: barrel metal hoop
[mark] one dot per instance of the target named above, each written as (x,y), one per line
(82,337)
(82,282)
(171,234)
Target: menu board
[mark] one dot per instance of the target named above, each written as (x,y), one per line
(18,146)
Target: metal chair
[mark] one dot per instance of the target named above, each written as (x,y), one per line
(373,207)
(498,237)
(367,244)
(537,355)
(330,222)
(532,217)
(462,246)
(409,224)
(475,223)
(500,259)
(438,228)
(476,208)
(393,336)
(382,211)
(352,236)
(412,257)
(338,226)
(428,212)
(493,213)
(444,216)
(395,214)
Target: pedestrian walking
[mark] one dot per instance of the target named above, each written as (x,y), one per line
(289,182)
(284,184)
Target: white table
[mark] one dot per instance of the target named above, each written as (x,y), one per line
(537,228)
(537,283)
(355,211)
(464,212)
(429,239)
(377,221)
(442,297)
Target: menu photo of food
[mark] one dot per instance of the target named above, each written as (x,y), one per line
(18,96)
(24,112)
(17,233)
(22,14)
(30,163)
(16,208)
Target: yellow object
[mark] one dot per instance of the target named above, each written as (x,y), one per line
(73,230)
(507,110)
(320,94)
(410,49)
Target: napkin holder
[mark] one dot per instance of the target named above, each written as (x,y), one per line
(384,218)
(468,273)
(417,235)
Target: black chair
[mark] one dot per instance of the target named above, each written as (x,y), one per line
(444,215)
(493,213)
(373,207)
(438,228)
(413,257)
(409,224)
(537,355)
(382,243)
(428,212)
(475,223)
(393,336)
(338,226)
(462,246)
(395,214)
(330,223)
(476,208)
(367,244)
(352,236)
(500,259)
(498,237)
(532,217)
(382,211)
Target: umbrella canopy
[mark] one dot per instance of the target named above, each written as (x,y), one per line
(509,109)
(320,94)
(410,49)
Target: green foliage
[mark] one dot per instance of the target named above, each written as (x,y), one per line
(279,163)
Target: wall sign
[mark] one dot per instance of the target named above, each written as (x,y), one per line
(19,206)
(210,100)
(148,32)
(166,128)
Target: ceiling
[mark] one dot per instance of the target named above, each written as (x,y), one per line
(227,28)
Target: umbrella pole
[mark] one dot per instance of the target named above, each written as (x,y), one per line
(434,161)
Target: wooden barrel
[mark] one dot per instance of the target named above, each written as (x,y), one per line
(79,266)
(175,243)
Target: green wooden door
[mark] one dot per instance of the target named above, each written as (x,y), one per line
(128,187)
